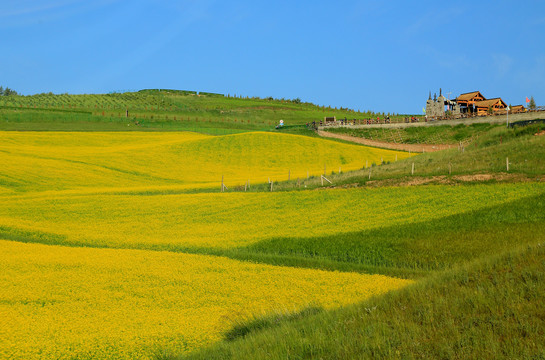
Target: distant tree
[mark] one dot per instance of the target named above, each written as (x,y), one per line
(1,91)
(532,104)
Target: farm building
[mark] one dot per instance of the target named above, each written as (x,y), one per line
(471,103)
(467,100)
(489,106)
(517,109)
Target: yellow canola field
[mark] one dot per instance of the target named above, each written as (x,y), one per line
(177,222)
(65,303)
(35,161)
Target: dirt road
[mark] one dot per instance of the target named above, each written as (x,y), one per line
(387,145)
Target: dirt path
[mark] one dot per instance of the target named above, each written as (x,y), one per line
(387,145)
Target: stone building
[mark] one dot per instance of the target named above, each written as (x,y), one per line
(438,106)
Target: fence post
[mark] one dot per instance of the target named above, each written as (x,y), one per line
(412,170)
(324,178)
(507,163)
(449,168)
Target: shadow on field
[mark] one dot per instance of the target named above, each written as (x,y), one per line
(257,323)
(405,251)
(410,250)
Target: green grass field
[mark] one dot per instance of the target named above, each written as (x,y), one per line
(484,159)
(490,308)
(122,220)
(161,110)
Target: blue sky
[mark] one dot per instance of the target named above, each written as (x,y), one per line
(370,55)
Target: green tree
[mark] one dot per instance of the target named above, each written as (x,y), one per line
(532,104)
(1,91)
(9,92)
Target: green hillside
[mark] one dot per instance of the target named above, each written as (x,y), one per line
(163,110)
(488,309)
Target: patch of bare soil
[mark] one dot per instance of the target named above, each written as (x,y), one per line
(454,180)
(410,181)
(541,133)
(438,180)
(501,177)
(475,177)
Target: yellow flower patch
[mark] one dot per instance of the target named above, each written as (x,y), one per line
(62,303)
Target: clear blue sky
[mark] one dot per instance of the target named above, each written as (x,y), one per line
(369,55)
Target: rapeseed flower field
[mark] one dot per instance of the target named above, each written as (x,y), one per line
(62,161)
(122,286)
(64,188)
(65,303)
(214,220)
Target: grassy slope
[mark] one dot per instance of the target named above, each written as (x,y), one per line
(412,250)
(157,110)
(487,155)
(443,134)
(489,309)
